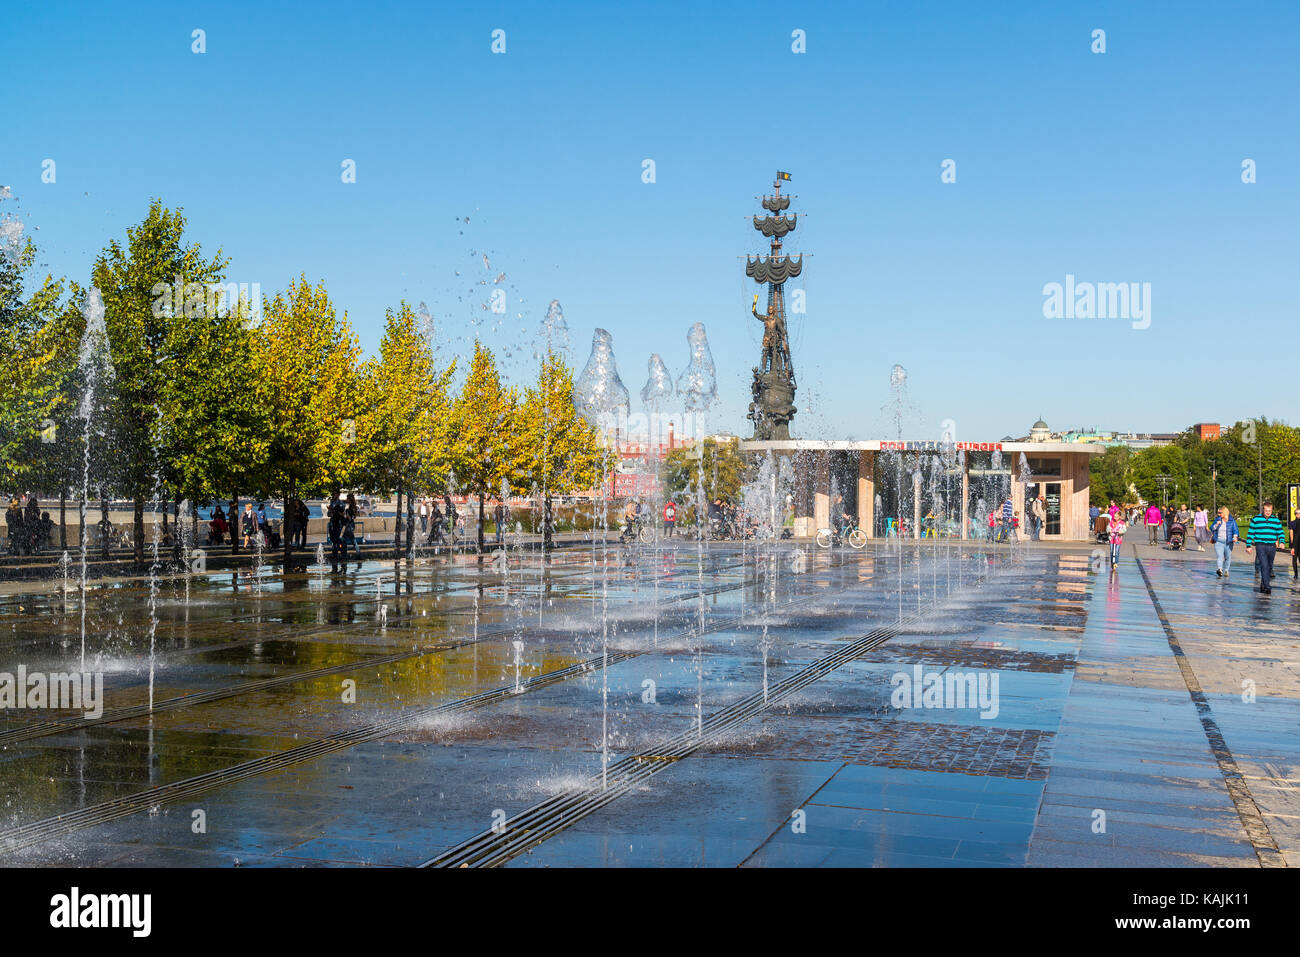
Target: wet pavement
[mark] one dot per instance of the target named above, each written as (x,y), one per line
(390,715)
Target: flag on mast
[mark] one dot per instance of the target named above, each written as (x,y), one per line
(783,176)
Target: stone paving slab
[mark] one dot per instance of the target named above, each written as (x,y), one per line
(1097,711)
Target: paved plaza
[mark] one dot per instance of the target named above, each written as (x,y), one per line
(743,703)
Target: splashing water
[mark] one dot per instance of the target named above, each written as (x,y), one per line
(658,388)
(599,394)
(698,384)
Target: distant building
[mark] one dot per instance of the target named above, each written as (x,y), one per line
(1206,431)
(956,493)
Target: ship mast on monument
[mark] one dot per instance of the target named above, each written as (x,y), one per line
(774,384)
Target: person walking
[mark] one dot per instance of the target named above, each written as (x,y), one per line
(1006,530)
(1154,521)
(1264,535)
(499,517)
(1295,545)
(14,523)
(424,516)
(435,524)
(1039,512)
(1225,534)
(304,516)
(451,518)
(1201,527)
(1093,514)
(248,524)
(1117,529)
(217,526)
(334,530)
(670,518)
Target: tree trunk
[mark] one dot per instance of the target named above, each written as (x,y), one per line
(410,523)
(63,518)
(547,525)
(104,526)
(397,526)
(137,532)
(480,523)
(288,522)
(233,521)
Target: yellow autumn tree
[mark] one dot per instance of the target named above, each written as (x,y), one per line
(484,447)
(402,433)
(306,363)
(560,452)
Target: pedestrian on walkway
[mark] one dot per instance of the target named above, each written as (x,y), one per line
(249,526)
(670,518)
(1201,527)
(334,529)
(1117,529)
(435,523)
(1154,521)
(1264,535)
(1295,545)
(1225,534)
(499,517)
(1039,512)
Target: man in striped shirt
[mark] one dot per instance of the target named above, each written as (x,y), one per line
(1266,533)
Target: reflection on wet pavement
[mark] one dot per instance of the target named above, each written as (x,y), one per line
(388,715)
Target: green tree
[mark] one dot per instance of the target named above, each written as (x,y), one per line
(719,465)
(1108,476)
(38,338)
(1150,463)
(148,332)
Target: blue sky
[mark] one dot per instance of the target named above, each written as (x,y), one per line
(1115,167)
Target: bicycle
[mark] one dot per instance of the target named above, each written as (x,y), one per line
(848,531)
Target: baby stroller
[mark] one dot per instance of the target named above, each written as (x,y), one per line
(1177,532)
(1101,528)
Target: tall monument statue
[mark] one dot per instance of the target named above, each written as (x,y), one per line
(774,384)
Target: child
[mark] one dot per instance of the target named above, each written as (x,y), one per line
(1117,529)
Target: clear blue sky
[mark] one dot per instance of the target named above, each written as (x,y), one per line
(1118,167)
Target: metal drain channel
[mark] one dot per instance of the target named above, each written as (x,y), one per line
(542,821)
(39,831)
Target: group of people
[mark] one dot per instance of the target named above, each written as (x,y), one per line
(30,529)
(1264,536)
(256,529)
(439,525)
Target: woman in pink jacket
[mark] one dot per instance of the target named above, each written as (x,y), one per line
(1154,520)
